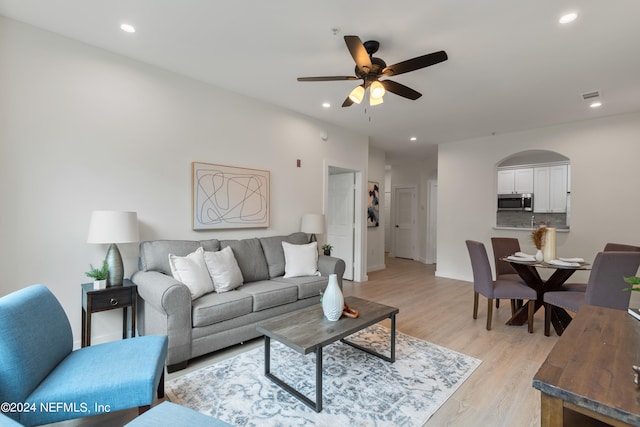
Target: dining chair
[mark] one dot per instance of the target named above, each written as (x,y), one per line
(605,288)
(607,248)
(484,284)
(620,247)
(502,248)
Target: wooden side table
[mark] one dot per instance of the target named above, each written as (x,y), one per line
(94,301)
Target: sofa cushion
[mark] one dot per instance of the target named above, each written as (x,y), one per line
(269,293)
(250,258)
(214,307)
(210,245)
(223,269)
(300,260)
(273,253)
(192,271)
(308,286)
(153,253)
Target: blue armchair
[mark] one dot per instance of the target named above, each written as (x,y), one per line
(44,381)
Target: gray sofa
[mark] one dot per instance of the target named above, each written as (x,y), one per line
(218,320)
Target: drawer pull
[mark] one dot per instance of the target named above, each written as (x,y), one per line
(113,301)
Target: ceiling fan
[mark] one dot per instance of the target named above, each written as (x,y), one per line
(370,69)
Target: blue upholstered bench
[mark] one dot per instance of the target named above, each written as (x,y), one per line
(168,413)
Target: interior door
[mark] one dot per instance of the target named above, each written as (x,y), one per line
(340,218)
(405,222)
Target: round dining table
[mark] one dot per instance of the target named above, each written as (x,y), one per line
(528,271)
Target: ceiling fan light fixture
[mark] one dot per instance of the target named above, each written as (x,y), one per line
(377,90)
(357,94)
(375,101)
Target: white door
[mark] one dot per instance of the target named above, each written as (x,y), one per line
(405,222)
(340,218)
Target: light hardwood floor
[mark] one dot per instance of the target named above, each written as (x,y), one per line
(498,393)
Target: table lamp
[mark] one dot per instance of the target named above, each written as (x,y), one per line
(312,224)
(113,227)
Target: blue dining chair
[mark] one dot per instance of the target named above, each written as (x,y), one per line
(38,365)
(484,284)
(605,287)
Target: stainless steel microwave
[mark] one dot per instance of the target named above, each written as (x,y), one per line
(515,202)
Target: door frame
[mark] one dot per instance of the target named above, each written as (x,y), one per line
(432,222)
(359,243)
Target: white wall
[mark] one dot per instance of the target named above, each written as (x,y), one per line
(375,235)
(605,185)
(84,129)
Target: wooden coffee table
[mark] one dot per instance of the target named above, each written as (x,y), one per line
(307,330)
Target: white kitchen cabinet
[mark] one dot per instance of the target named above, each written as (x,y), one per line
(512,181)
(550,189)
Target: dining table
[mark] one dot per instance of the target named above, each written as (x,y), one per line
(528,272)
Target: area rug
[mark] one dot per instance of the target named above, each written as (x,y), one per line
(358,389)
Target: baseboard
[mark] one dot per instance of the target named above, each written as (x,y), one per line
(376,267)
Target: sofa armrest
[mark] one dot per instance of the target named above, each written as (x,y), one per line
(331,265)
(164,293)
(171,300)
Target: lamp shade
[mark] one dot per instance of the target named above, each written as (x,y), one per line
(113,227)
(357,94)
(375,101)
(312,223)
(376,90)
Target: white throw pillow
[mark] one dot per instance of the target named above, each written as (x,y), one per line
(192,271)
(224,269)
(300,260)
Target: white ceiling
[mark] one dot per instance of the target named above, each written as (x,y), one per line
(511,65)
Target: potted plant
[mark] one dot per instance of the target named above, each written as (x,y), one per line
(327,249)
(99,275)
(633,281)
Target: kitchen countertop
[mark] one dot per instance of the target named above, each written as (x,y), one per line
(559,230)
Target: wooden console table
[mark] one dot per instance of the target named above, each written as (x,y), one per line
(589,370)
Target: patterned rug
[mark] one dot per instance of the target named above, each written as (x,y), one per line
(358,389)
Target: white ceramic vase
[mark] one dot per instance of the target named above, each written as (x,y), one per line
(332,300)
(539,256)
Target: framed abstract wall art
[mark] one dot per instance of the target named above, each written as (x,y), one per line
(373,204)
(229,197)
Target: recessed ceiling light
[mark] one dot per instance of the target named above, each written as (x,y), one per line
(569,17)
(128,28)
(326,105)
(413,138)
(595,104)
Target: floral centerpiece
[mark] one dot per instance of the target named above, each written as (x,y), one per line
(537,237)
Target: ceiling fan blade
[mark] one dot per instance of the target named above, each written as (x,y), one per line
(347,102)
(400,89)
(326,78)
(415,63)
(359,53)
